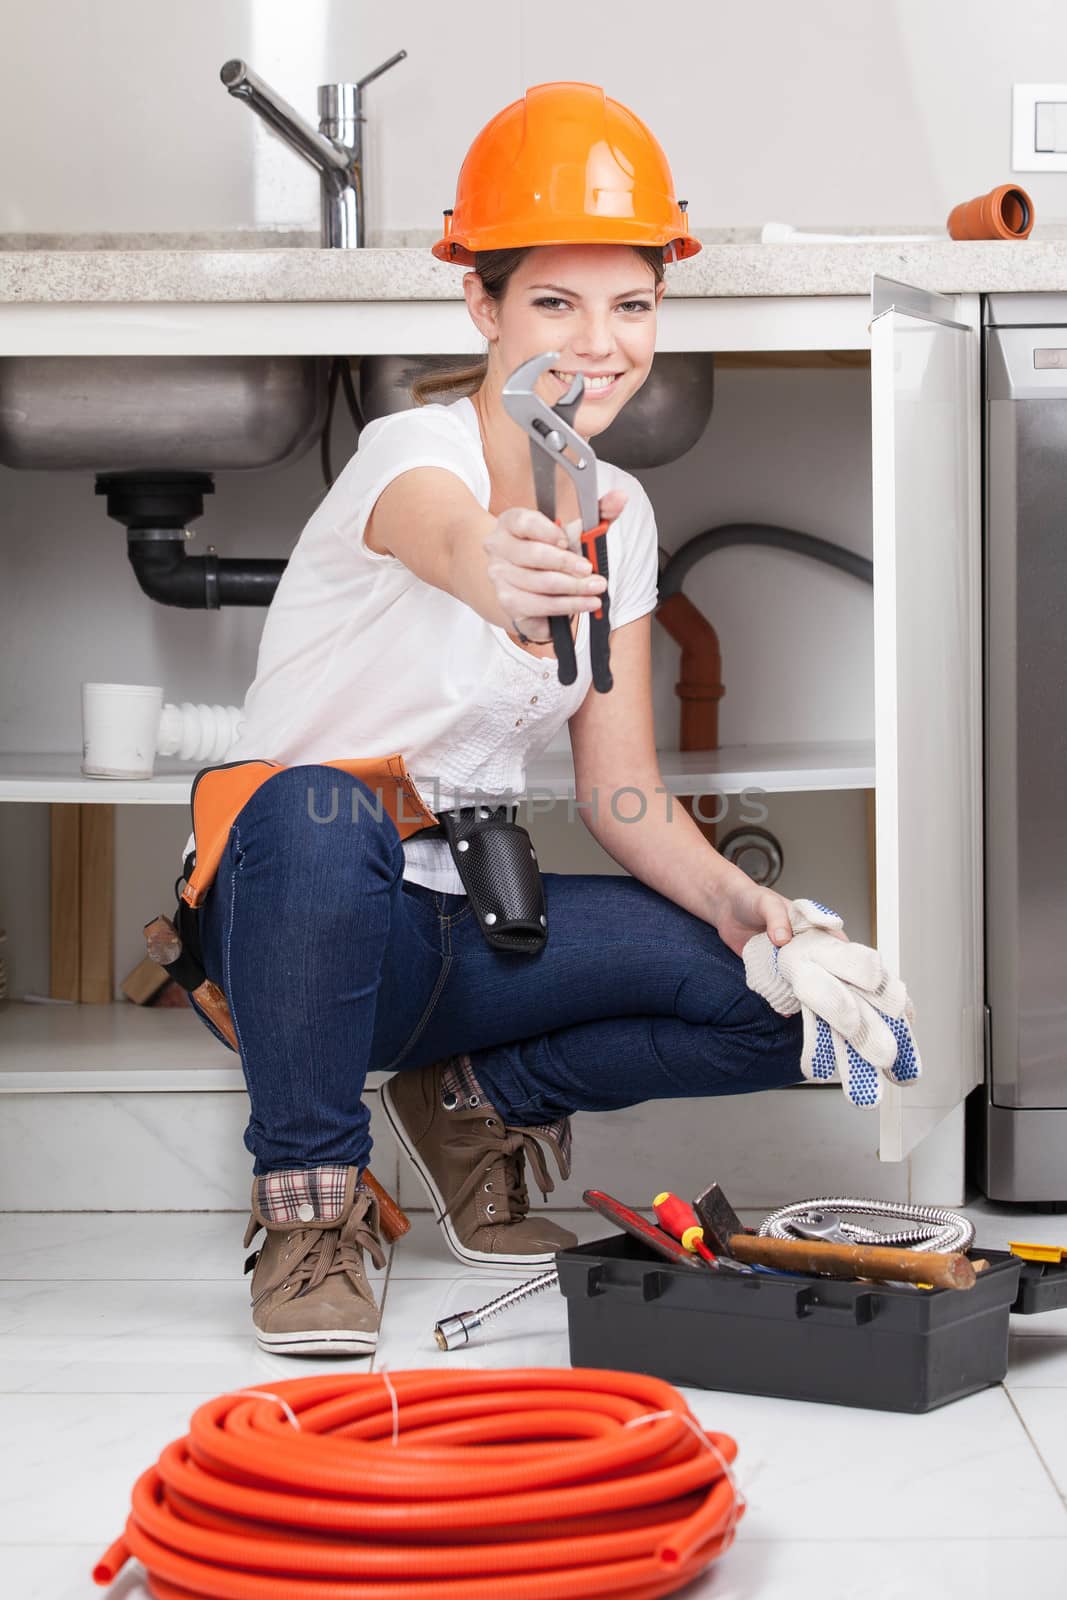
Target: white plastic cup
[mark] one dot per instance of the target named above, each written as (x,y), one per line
(120,726)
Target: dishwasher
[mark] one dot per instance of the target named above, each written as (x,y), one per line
(1023,1146)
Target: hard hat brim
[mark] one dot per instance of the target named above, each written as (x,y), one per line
(461,252)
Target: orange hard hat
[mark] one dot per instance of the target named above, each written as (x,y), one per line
(565,165)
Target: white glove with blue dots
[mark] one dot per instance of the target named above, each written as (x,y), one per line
(857,1018)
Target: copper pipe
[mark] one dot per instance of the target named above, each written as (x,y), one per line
(699,687)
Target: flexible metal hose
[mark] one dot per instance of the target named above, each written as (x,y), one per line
(455,1331)
(933,1228)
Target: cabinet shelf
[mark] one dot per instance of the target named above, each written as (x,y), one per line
(117,1048)
(97,1048)
(775,768)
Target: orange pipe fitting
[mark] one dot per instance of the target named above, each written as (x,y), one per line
(1004,213)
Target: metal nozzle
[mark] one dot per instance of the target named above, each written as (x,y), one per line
(452,1333)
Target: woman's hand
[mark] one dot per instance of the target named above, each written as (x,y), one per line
(742,909)
(534,571)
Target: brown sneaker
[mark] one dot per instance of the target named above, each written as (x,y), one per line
(310,1294)
(472,1166)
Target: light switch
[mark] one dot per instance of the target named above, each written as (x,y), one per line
(1039,127)
(1050,126)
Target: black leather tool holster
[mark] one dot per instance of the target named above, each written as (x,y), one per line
(497,865)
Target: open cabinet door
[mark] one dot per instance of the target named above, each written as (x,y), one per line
(926,433)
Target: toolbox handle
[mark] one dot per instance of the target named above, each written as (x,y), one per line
(650,1286)
(862,1309)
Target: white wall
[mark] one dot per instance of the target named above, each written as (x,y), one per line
(825,111)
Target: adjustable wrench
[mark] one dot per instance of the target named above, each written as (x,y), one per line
(827,1227)
(555,443)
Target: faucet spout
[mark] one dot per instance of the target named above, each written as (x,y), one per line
(244,84)
(334,149)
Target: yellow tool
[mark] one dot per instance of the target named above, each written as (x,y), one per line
(1053,1253)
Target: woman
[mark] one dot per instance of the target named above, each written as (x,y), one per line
(413,617)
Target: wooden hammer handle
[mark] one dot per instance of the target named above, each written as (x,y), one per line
(394,1221)
(944,1271)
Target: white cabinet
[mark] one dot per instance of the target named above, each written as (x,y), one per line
(928,689)
(924,757)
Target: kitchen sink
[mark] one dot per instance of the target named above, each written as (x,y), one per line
(663,420)
(183,413)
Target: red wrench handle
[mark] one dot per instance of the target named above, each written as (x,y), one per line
(595,546)
(595,549)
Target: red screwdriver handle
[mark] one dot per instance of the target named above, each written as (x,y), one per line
(681,1222)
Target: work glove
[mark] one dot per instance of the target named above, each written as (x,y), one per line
(856,1017)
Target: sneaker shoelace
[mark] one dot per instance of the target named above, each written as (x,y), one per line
(507,1148)
(325,1250)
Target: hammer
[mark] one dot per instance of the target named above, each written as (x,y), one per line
(725,1234)
(165,946)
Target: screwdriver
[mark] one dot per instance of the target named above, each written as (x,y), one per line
(673,1214)
(680,1221)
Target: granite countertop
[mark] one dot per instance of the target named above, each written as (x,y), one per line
(288,266)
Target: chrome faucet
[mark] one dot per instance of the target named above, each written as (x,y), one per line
(335,150)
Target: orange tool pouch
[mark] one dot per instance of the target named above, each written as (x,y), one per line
(219,793)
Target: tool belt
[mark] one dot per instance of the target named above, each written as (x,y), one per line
(494,856)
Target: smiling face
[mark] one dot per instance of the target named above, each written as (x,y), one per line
(595,304)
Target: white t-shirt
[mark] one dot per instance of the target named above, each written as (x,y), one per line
(360,657)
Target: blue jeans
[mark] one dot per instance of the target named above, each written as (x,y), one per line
(334,967)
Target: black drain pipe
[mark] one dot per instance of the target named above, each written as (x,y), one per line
(156,508)
(674,572)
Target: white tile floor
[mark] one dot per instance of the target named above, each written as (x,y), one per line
(114,1326)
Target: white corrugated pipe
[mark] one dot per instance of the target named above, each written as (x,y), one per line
(198,732)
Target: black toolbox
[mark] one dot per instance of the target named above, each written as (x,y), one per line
(797,1337)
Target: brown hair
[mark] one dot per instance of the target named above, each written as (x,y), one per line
(495,268)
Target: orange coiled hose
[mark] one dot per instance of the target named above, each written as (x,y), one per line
(530,1483)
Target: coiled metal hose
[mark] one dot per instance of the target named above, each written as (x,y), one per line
(932,1227)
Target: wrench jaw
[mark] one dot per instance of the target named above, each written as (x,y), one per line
(520,385)
(551,430)
(555,442)
(567,408)
(821,1225)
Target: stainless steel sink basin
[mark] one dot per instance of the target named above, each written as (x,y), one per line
(664,419)
(185,413)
